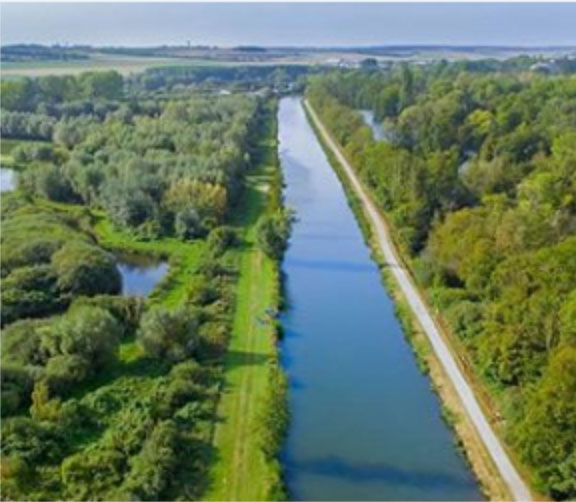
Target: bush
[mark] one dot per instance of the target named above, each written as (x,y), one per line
(169,334)
(92,471)
(222,238)
(29,292)
(153,466)
(65,371)
(89,332)
(84,269)
(126,309)
(272,233)
(187,224)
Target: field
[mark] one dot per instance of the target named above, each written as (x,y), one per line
(123,65)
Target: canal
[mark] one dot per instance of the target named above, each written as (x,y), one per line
(365,424)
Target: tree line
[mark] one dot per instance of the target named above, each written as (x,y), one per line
(479,179)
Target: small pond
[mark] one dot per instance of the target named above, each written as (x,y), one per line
(140,273)
(380,131)
(7,179)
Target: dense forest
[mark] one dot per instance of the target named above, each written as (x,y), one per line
(246,78)
(110,397)
(478,177)
(169,167)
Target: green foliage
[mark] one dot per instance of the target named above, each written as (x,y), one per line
(29,292)
(83,269)
(88,332)
(272,233)
(46,261)
(151,468)
(64,372)
(169,334)
(221,238)
(544,435)
(156,167)
(187,224)
(26,94)
(274,416)
(479,180)
(113,398)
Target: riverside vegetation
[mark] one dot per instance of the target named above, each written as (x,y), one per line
(106,397)
(479,182)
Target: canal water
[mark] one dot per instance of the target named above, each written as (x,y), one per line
(140,273)
(365,424)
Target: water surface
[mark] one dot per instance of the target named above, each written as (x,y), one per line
(140,273)
(7,179)
(365,422)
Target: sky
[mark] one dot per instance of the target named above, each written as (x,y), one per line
(295,24)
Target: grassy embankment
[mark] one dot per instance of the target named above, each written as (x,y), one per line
(466,435)
(241,470)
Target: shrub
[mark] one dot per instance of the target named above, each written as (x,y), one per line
(272,233)
(65,371)
(84,269)
(89,332)
(169,334)
(222,238)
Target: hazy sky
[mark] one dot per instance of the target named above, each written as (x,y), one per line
(289,24)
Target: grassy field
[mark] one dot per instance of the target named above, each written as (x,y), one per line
(240,470)
(124,65)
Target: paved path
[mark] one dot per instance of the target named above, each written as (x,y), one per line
(509,474)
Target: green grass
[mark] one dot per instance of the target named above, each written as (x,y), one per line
(240,471)
(122,64)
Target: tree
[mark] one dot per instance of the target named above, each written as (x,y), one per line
(272,233)
(30,441)
(221,238)
(102,84)
(169,334)
(65,371)
(49,181)
(545,435)
(84,269)
(91,333)
(92,471)
(187,224)
(152,468)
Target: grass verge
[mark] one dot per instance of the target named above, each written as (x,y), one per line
(241,469)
